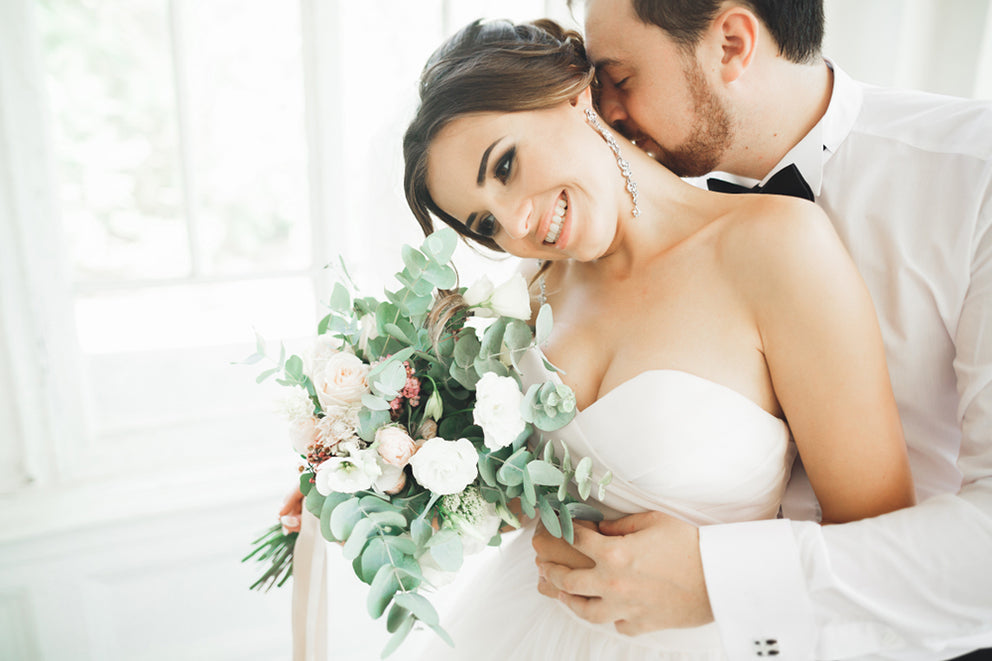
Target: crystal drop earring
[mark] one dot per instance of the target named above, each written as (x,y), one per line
(621,161)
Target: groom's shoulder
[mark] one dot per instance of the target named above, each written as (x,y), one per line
(928,122)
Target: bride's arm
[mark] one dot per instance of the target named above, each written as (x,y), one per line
(823,346)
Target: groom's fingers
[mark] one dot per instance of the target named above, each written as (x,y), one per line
(576,582)
(630,524)
(590,609)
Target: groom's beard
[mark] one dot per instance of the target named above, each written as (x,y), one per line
(711,134)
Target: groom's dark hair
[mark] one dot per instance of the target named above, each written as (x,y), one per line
(795,25)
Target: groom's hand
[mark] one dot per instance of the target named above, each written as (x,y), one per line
(648,575)
(551,549)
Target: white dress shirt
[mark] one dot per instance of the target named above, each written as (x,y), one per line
(906,178)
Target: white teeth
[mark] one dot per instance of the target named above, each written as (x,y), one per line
(557,220)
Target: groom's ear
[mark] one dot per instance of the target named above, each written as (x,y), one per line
(731,43)
(583,99)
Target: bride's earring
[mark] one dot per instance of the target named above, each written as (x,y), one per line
(621,161)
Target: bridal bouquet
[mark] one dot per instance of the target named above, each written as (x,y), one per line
(412,427)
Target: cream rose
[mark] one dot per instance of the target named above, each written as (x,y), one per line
(341,380)
(497,410)
(394,445)
(445,467)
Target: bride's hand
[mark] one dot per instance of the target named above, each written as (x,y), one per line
(555,550)
(292,510)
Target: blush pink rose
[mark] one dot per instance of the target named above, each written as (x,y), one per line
(395,446)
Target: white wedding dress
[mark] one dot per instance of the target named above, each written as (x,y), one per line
(675,443)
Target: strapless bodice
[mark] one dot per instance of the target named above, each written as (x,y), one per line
(681,444)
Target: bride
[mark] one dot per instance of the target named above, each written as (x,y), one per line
(707,336)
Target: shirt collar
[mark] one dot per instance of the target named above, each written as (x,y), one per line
(815,149)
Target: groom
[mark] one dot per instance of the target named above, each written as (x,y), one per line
(740,87)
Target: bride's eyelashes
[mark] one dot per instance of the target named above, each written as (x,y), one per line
(504,166)
(485,224)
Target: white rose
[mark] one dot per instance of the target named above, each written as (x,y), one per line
(348,474)
(510,299)
(445,467)
(342,380)
(394,445)
(497,410)
(392,480)
(479,293)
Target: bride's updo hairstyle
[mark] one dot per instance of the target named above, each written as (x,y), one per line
(488,66)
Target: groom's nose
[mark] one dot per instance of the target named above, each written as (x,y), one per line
(610,106)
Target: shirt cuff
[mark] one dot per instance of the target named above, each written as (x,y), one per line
(757,590)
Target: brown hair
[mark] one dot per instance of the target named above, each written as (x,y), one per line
(795,25)
(491,66)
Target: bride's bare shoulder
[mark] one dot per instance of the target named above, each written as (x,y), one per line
(768,237)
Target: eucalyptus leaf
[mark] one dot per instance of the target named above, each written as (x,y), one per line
(344,517)
(414,260)
(402,631)
(549,518)
(373,558)
(492,338)
(396,617)
(397,332)
(294,367)
(441,276)
(252,359)
(467,348)
(440,245)
(518,335)
(567,528)
(486,470)
(583,477)
(508,516)
(402,545)
(387,519)
(419,606)
(418,305)
(529,498)
(306,486)
(369,423)
(374,402)
(384,586)
(603,483)
(340,299)
(358,538)
(421,531)
(583,512)
(543,473)
(266,374)
(443,635)
(314,500)
(483,365)
(446,550)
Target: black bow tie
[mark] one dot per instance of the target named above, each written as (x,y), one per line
(787,181)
